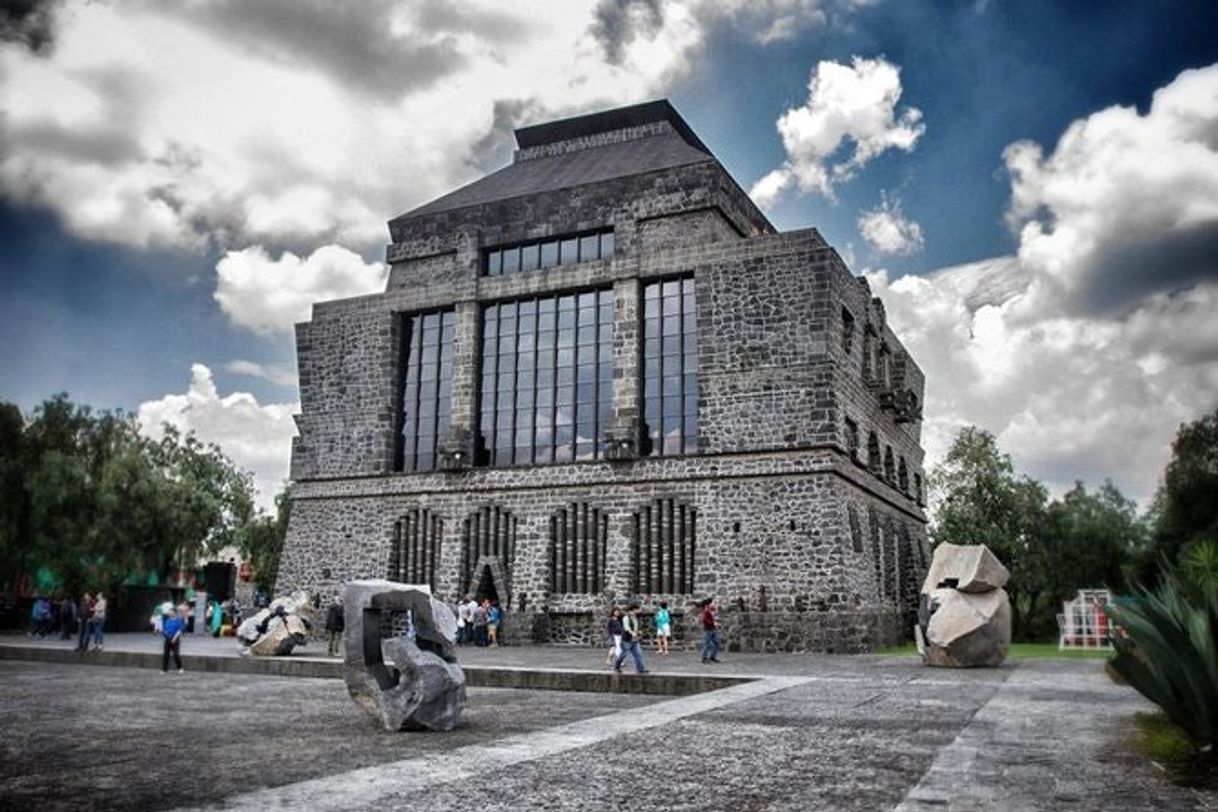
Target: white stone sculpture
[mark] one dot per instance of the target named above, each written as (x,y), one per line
(276,630)
(964,615)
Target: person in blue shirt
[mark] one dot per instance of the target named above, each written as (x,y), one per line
(494,616)
(171,630)
(663,628)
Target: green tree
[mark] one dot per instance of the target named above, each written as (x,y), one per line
(99,501)
(13,506)
(262,542)
(979,499)
(1186,505)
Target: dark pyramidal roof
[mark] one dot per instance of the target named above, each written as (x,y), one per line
(561,154)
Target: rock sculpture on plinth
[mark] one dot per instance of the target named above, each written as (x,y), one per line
(406,682)
(964,614)
(279,628)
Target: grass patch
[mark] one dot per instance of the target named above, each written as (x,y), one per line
(1019,651)
(1169,748)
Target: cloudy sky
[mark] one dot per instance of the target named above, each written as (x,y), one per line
(1032,187)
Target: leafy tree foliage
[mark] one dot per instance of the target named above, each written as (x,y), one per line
(262,542)
(1186,506)
(97,500)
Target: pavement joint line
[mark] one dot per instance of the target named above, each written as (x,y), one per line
(369,786)
(953,761)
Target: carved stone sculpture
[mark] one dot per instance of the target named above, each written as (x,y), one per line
(408,682)
(964,615)
(276,630)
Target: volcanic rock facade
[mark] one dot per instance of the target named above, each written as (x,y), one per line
(405,682)
(964,616)
(601,375)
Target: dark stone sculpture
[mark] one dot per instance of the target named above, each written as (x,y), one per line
(405,682)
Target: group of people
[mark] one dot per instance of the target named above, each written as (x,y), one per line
(478,622)
(86,619)
(625,634)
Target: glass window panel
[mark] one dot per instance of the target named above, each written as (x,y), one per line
(564,435)
(565,303)
(587,300)
(672,443)
(585,450)
(651,328)
(689,323)
(671,307)
(604,333)
(503,456)
(566,376)
(672,326)
(651,308)
(545,318)
(672,365)
(566,322)
(543,452)
(545,378)
(691,404)
(507,310)
(562,453)
(587,333)
(564,397)
(585,392)
(530,257)
(526,324)
(511,260)
(651,290)
(569,251)
(528,307)
(425,462)
(566,356)
(672,385)
(691,382)
(524,398)
(607,244)
(549,254)
(672,288)
(587,354)
(671,345)
(589,248)
(672,410)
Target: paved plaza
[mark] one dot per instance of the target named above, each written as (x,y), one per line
(804,732)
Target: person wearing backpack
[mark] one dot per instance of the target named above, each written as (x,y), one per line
(335,625)
(631,631)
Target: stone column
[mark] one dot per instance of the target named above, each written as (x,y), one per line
(623,433)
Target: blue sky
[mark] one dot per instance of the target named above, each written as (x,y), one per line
(179,181)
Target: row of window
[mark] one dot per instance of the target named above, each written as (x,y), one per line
(540,254)
(877,357)
(545,392)
(886,466)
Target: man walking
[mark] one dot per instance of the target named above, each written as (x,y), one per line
(710,632)
(631,629)
(335,624)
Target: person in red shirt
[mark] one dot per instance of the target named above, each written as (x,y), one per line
(710,632)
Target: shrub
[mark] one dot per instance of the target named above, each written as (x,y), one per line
(1166,647)
(1199,562)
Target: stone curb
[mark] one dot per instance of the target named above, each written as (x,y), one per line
(544,679)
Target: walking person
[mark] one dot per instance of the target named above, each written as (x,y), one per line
(613,630)
(631,631)
(86,611)
(171,630)
(335,624)
(710,632)
(663,628)
(97,622)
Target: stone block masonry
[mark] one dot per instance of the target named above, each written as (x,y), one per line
(795,498)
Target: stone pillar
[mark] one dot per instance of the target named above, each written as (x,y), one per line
(623,433)
(458,448)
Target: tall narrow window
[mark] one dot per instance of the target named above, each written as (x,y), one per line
(425,405)
(670,367)
(847,333)
(662,554)
(415,553)
(579,537)
(547,378)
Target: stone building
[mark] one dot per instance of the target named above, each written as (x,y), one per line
(600,374)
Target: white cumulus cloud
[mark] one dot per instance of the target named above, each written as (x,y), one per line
(850,117)
(888,231)
(1126,204)
(270,295)
(229,123)
(256,437)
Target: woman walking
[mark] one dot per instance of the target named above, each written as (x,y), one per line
(613,630)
